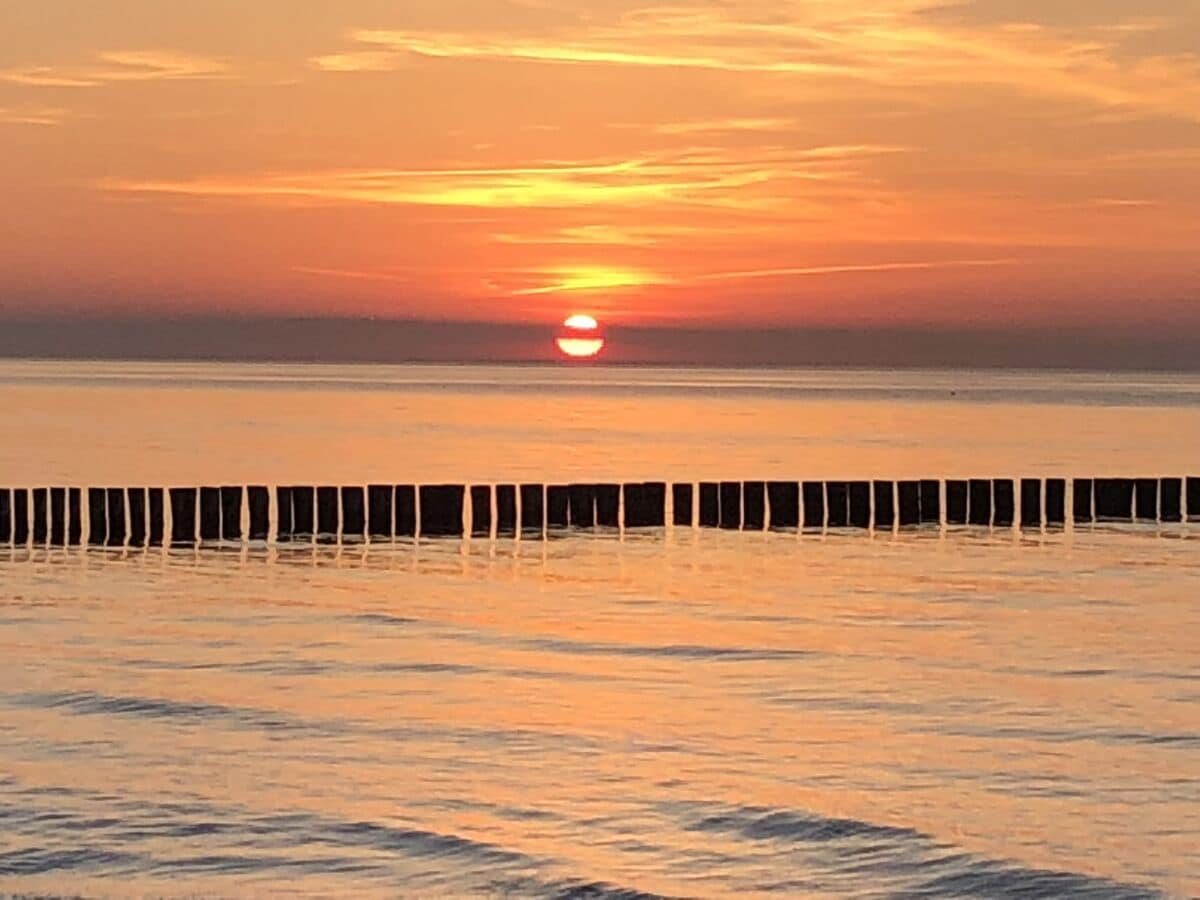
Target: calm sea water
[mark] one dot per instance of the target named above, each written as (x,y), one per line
(941,713)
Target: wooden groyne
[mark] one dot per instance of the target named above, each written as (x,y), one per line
(188,516)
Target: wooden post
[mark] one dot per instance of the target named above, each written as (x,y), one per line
(137,516)
(379,510)
(5,516)
(20,516)
(506,510)
(183,517)
(754,505)
(1056,501)
(1170,506)
(41,516)
(481,510)
(442,510)
(783,501)
(58,517)
(956,502)
(533,509)
(1082,495)
(655,494)
(1031,503)
(74,516)
(327,515)
(908,493)
(710,504)
(814,504)
(837,504)
(1004,503)
(97,516)
(210,514)
(731,505)
(116,518)
(1146,499)
(979,502)
(931,501)
(558,506)
(405,507)
(231,513)
(1193,499)
(885,505)
(1114,499)
(583,506)
(608,505)
(683,506)
(258,499)
(354,514)
(860,504)
(304,519)
(283,514)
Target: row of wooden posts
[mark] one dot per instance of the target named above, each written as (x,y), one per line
(185,516)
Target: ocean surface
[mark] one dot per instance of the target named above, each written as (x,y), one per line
(945,712)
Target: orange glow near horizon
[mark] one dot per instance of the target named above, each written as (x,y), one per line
(854,163)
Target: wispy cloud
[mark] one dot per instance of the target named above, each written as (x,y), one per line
(33,115)
(120,66)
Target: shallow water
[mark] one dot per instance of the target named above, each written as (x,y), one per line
(956,712)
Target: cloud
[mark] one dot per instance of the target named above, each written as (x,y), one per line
(120,66)
(43,116)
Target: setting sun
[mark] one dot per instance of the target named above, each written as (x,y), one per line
(581,337)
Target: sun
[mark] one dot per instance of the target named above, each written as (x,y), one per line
(580,337)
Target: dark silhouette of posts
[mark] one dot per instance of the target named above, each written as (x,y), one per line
(20,515)
(908,494)
(1056,501)
(74,517)
(116,518)
(637,506)
(683,505)
(258,502)
(1081,491)
(710,504)
(97,516)
(231,513)
(304,513)
(754,505)
(837,504)
(931,502)
(41,516)
(656,504)
(533,509)
(860,504)
(558,507)
(327,515)
(885,505)
(1114,499)
(210,514)
(379,510)
(731,505)
(1031,503)
(183,517)
(283,514)
(136,498)
(979,502)
(405,508)
(1170,503)
(783,501)
(58,517)
(5,516)
(1004,503)
(506,510)
(814,504)
(1146,499)
(583,506)
(1193,499)
(956,502)
(354,514)
(481,510)
(442,510)
(608,505)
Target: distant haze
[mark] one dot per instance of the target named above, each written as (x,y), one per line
(390,341)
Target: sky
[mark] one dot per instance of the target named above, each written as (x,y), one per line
(827,164)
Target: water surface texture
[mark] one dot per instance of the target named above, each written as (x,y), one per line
(956,712)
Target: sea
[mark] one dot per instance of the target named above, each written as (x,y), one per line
(679,712)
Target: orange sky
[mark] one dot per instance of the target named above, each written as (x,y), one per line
(760,161)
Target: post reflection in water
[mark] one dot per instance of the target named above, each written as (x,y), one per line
(682,712)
